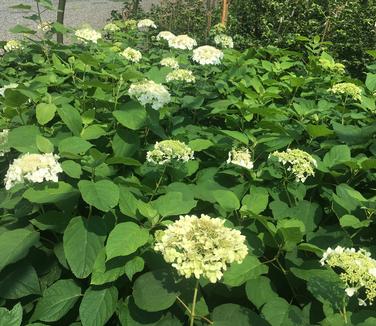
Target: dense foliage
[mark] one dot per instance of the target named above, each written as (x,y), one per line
(348,24)
(284,153)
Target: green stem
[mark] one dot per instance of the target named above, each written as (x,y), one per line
(158,184)
(191,323)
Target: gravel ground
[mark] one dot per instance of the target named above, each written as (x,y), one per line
(78,12)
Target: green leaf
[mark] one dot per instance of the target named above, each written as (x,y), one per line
(199,145)
(125,239)
(351,221)
(50,193)
(57,300)
(71,117)
(133,115)
(257,200)
(125,143)
(98,306)
(44,145)
(236,135)
(278,312)
(337,155)
(250,268)
(227,200)
(21,29)
(230,314)
(92,132)
(18,280)
(12,317)
(74,145)
(86,234)
(72,169)
(103,195)
(15,244)
(173,203)
(291,231)
(155,291)
(15,98)
(371,82)
(259,291)
(24,138)
(316,131)
(45,112)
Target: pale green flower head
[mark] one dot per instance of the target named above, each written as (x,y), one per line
(149,92)
(4,148)
(12,45)
(130,24)
(168,151)
(201,246)
(299,162)
(182,75)
(132,55)
(170,62)
(224,41)
(358,271)
(347,89)
(330,65)
(111,27)
(241,157)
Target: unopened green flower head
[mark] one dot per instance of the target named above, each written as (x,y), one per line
(358,271)
(241,157)
(332,66)
(130,24)
(181,75)
(219,28)
(167,151)
(300,163)
(347,89)
(201,246)
(111,27)
(224,41)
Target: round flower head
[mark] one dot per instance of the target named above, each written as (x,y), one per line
(301,164)
(45,27)
(5,87)
(182,42)
(166,151)
(165,35)
(207,55)
(145,25)
(149,92)
(4,148)
(183,75)
(88,34)
(330,65)
(201,246)
(170,62)
(224,41)
(111,27)
(34,168)
(12,45)
(132,55)
(347,89)
(219,28)
(358,270)
(241,157)
(130,24)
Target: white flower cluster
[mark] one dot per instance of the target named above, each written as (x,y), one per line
(145,25)
(183,75)
(301,164)
(182,42)
(4,142)
(132,55)
(207,55)
(34,168)
(170,62)
(5,87)
(45,26)
(12,45)
(88,34)
(165,35)
(201,246)
(358,270)
(166,151)
(224,41)
(111,27)
(347,89)
(149,92)
(241,157)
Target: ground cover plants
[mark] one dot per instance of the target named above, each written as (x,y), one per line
(151,180)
